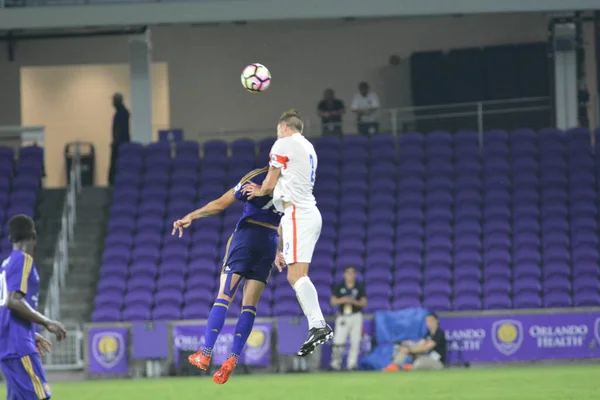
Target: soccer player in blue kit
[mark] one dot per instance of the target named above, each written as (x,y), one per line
(251,251)
(19,341)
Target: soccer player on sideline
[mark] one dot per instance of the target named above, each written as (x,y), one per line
(290,180)
(19,341)
(250,253)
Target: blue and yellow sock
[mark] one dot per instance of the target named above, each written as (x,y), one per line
(216,320)
(243,330)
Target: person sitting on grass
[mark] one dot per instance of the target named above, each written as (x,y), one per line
(428,353)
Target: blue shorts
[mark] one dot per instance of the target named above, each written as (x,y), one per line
(25,378)
(251,251)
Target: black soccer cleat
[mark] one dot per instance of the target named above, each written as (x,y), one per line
(316,337)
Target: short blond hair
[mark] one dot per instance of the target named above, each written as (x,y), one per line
(292,119)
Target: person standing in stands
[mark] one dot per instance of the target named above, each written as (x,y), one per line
(429,353)
(366,107)
(120,133)
(351,298)
(331,110)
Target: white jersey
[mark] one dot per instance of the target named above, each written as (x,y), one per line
(296,157)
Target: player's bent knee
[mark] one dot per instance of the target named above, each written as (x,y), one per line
(228,286)
(296,271)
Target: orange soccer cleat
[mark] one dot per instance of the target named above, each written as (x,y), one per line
(391,368)
(222,375)
(199,360)
(407,367)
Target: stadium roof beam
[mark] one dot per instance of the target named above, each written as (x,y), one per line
(211,11)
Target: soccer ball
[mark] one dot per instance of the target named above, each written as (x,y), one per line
(256,78)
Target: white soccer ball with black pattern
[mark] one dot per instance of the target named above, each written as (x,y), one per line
(256,78)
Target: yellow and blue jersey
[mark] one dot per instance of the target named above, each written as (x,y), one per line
(252,248)
(17,274)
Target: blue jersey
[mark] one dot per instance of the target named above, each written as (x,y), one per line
(252,248)
(259,209)
(17,274)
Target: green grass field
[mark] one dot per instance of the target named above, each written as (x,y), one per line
(519,383)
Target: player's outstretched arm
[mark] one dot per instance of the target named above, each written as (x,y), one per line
(17,304)
(213,208)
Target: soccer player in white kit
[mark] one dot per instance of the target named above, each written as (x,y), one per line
(290,180)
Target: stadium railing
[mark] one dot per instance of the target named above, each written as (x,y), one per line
(68,355)
(535,112)
(16,136)
(65,236)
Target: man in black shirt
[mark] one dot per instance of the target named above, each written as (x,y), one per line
(331,110)
(429,353)
(350,298)
(120,132)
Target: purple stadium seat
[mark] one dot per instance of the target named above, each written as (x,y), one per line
(557,300)
(467,302)
(380,304)
(467,272)
(287,308)
(166,313)
(187,149)
(497,286)
(119,271)
(527,300)
(586,299)
(467,286)
(108,300)
(408,288)
(106,315)
(437,303)
(143,269)
(141,283)
(401,303)
(437,288)
(137,313)
(497,302)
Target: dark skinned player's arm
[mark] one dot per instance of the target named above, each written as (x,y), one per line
(269,183)
(17,304)
(214,207)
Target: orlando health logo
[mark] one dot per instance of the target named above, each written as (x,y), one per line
(258,344)
(507,336)
(108,348)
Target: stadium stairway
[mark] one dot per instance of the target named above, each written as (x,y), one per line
(49,214)
(85,254)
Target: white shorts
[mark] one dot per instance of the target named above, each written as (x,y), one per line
(301,228)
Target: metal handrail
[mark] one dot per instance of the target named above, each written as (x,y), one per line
(392,118)
(66,235)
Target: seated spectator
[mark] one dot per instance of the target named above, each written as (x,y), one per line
(366,107)
(428,353)
(331,110)
(350,298)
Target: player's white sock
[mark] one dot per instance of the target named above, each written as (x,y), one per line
(309,301)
